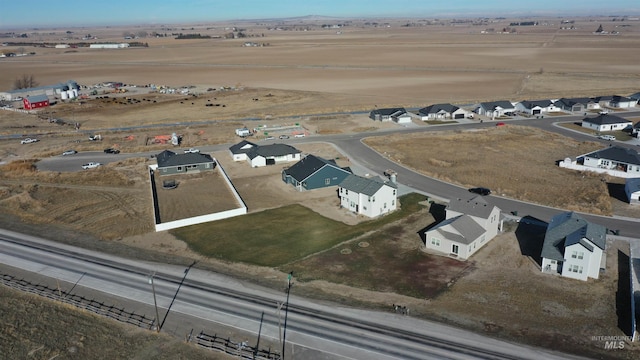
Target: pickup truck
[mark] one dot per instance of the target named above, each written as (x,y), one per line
(28,141)
(91,165)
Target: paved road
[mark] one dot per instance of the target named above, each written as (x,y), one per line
(366,160)
(313,330)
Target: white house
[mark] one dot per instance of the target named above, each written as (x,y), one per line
(632,189)
(536,107)
(606,122)
(573,247)
(442,112)
(468,226)
(495,109)
(622,102)
(399,115)
(239,151)
(272,154)
(577,104)
(370,197)
(109,46)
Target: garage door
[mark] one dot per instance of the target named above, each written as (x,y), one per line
(458,116)
(536,112)
(271,161)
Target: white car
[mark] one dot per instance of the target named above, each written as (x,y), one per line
(299,135)
(91,165)
(69,152)
(28,141)
(607,137)
(192,151)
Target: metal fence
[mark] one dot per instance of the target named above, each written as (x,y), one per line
(78,301)
(240,349)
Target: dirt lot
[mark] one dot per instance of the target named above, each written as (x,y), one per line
(303,73)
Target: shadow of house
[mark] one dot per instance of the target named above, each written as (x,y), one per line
(623,295)
(530,235)
(438,211)
(617,192)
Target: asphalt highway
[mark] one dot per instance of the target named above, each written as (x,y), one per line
(313,330)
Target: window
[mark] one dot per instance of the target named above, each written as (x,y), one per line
(577,255)
(346,192)
(327,181)
(393,202)
(575,269)
(454,248)
(394,192)
(385,205)
(435,241)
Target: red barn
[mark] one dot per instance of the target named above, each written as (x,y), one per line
(34,102)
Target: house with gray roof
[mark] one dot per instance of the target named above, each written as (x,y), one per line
(370,197)
(239,151)
(442,112)
(632,190)
(573,247)
(622,102)
(170,163)
(469,225)
(494,109)
(606,122)
(581,104)
(399,115)
(614,158)
(536,107)
(272,154)
(314,172)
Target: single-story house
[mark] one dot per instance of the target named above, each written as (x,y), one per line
(495,109)
(536,107)
(606,122)
(239,151)
(577,104)
(442,112)
(272,154)
(399,115)
(632,189)
(170,163)
(468,226)
(35,101)
(613,158)
(573,247)
(370,197)
(314,172)
(622,102)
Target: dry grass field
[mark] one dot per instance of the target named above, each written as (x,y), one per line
(306,73)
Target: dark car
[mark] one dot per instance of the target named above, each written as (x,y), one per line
(480,191)
(111,151)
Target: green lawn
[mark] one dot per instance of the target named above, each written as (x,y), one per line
(279,236)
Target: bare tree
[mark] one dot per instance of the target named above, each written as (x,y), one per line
(25,81)
(142,34)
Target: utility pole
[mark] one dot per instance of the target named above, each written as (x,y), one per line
(286,313)
(155,302)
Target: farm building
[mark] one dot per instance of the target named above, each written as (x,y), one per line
(35,102)
(49,90)
(109,46)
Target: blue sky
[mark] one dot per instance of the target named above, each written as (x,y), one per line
(63,13)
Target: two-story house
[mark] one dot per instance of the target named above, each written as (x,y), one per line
(573,247)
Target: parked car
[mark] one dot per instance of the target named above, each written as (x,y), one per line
(283,137)
(69,152)
(111,151)
(500,124)
(269,138)
(91,165)
(480,191)
(28,141)
(299,135)
(607,137)
(192,151)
